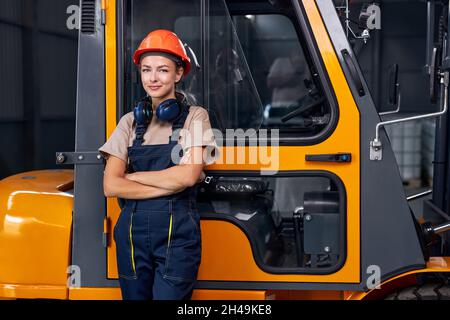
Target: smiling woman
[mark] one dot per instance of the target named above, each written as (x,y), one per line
(159,75)
(159,194)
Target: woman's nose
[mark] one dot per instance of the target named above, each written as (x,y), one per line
(153,76)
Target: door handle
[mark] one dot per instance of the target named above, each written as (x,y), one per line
(334,157)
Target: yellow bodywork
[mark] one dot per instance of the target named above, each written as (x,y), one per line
(436,264)
(35,234)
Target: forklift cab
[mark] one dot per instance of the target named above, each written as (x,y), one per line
(253,71)
(293,203)
(293,207)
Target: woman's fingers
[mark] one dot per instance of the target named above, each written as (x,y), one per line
(201,177)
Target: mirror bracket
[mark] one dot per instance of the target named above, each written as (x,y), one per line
(376,147)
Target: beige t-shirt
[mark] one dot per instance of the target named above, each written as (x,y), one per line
(196,133)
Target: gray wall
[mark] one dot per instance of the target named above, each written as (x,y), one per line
(38,58)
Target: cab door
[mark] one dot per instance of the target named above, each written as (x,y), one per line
(280,207)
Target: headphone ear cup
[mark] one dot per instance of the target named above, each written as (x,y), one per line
(143,113)
(168,110)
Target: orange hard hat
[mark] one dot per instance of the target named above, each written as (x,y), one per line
(163,41)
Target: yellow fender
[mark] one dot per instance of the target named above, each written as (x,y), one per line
(407,279)
(35,234)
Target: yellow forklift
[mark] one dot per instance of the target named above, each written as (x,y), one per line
(306,202)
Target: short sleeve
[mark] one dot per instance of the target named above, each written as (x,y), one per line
(117,144)
(199,133)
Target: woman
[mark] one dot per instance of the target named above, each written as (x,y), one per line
(157,235)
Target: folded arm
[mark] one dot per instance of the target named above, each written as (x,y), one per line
(116,185)
(174,178)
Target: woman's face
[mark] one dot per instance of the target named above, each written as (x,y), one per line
(159,75)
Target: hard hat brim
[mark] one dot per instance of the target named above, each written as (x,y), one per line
(140,52)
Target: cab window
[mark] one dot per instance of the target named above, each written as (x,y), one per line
(251,65)
(294,221)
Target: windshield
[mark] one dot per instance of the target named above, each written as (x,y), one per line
(233,98)
(250,69)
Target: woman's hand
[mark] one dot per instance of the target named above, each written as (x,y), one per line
(201,177)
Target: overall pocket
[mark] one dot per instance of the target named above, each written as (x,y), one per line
(184,249)
(123,236)
(195,218)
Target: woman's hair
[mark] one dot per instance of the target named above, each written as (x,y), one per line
(178,62)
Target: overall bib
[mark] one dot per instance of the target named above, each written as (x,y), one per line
(158,240)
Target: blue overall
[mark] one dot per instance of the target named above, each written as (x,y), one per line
(158,240)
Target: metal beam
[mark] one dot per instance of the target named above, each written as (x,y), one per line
(30,83)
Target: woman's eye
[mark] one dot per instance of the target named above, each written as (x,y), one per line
(145,70)
(164,70)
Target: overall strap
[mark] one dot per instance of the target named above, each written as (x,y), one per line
(178,124)
(140,131)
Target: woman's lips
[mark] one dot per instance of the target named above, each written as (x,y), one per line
(154,88)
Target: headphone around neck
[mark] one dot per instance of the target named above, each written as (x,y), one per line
(168,110)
